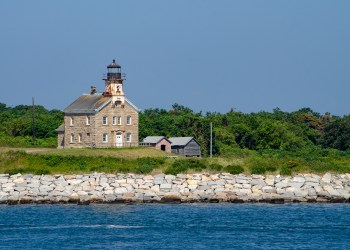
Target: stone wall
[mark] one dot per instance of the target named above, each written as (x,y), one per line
(91,135)
(110,188)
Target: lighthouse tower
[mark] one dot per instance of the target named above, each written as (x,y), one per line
(114,83)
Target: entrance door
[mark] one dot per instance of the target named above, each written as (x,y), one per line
(162,147)
(118,140)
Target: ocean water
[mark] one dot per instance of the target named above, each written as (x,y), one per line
(175,226)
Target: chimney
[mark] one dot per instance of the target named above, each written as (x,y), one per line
(93,90)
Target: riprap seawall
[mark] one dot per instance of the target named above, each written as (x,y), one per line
(125,188)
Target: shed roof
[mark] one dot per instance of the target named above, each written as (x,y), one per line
(153,139)
(180,141)
(92,103)
(60,128)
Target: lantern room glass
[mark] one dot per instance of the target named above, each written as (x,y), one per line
(113,70)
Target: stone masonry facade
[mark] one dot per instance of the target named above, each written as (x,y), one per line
(81,134)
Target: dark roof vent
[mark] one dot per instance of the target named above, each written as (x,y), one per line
(114,65)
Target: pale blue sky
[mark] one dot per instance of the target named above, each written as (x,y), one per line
(207,55)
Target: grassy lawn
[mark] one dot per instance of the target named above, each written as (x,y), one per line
(138,152)
(151,161)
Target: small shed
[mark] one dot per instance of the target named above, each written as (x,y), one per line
(185,146)
(157,142)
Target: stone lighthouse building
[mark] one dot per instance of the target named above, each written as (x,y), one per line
(101,120)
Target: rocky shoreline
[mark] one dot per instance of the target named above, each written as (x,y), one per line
(182,188)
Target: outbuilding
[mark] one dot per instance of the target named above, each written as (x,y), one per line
(157,142)
(185,146)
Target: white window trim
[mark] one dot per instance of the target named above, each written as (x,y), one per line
(88,120)
(103,120)
(105,138)
(128,135)
(128,120)
(71,138)
(80,137)
(114,120)
(71,123)
(119,120)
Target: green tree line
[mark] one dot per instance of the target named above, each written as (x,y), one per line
(276,130)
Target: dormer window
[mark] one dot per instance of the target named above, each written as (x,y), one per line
(104,120)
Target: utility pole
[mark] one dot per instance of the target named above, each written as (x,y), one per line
(211,139)
(33,120)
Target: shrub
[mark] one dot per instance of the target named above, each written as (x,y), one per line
(215,167)
(181,166)
(257,169)
(15,171)
(270,168)
(234,169)
(285,170)
(143,169)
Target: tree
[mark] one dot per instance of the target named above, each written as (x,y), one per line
(337,134)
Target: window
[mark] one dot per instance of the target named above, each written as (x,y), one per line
(128,137)
(104,120)
(119,120)
(88,120)
(105,137)
(128,120)
(71,138)
(79,137)
(71,121)
(114,120)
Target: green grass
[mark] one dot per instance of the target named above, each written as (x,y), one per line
(150,161)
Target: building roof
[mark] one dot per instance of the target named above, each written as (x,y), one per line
(180,141)
(92,103)
(153,139)
(60,128)
(87,104)
(113,65)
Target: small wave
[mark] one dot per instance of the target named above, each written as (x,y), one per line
(120,226)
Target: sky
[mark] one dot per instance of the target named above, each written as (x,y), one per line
(213,56)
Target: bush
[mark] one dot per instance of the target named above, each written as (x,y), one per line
(257,170)
(143,169)
(215,167)
(181,166)
(15,171)
(270,168)
(285,170)
(234,169)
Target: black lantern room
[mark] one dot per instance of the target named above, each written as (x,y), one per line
(114,70)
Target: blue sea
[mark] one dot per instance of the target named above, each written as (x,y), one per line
(175,226)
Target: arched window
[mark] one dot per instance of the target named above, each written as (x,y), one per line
(72,138)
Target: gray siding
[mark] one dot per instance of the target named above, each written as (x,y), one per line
(192,149)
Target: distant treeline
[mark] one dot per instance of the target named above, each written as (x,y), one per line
(277,130)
